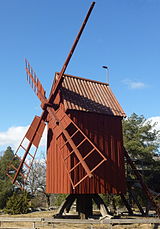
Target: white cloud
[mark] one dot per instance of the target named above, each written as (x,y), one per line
(156,120)
(134,84)
(14,135)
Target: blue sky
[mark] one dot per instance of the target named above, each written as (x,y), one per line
(122,34)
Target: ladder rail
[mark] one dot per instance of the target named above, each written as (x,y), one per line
(93,145)
(83,158)
(69,138)
(144,186)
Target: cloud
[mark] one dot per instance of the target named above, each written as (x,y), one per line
(134,84)
(156,120)
(14,135)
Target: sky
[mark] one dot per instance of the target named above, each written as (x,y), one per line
(121,34)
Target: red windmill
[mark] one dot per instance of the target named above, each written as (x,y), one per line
(85,154)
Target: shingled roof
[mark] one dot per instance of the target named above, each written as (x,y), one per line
(90,96)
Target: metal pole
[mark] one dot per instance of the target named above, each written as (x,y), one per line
(107,73)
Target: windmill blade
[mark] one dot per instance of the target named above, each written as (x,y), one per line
(26,152)
(57,84)
(34,82)
(84,154)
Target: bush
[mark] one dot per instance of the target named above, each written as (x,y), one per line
(18,203)
(59,198)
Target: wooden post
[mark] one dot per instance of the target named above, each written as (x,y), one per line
(133,195)
(84,205)
(34,225)
(101,205)
(126,204)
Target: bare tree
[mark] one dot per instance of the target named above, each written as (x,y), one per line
(37,180)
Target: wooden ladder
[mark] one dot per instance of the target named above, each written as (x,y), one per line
(145,189)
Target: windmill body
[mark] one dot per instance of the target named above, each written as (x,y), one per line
(92,106)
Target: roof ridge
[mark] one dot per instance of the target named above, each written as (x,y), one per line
(81,78)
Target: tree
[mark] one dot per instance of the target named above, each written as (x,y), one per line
(6,187)
(141,141)
(37,177)
(18,203)
(37,182)
(37,186)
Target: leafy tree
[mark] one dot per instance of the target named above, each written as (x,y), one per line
(18,203)
(6,187)
(152,176)
(141,140)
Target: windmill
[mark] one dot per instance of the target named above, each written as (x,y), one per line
(85,154)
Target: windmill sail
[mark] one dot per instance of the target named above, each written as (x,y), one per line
(81,149)
(34,82)
(26,151)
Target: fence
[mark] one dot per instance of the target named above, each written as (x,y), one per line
(41,222)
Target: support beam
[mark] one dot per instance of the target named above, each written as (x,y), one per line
(84,206)
(135,199)
(126,204)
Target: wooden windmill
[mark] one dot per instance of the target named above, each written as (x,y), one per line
(85,154)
